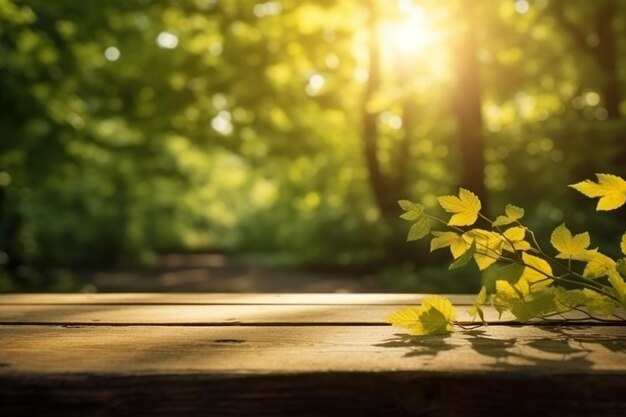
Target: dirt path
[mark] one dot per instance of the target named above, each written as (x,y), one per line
(222,273)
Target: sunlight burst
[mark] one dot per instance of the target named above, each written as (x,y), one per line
(410,33)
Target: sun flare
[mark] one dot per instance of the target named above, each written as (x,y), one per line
(410,33)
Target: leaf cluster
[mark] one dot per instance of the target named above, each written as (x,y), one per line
(519,278)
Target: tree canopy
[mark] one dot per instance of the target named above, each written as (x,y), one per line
(292,127)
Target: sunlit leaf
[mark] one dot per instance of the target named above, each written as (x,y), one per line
(514,239)
(515,233)
(537,272)
(623,244)
(466,207)
(618,284)
(405,318)
(488,246)
(434,316)
(569,247)
(611,190)
(598,264)
(458,245)
(513,214)
(465,258)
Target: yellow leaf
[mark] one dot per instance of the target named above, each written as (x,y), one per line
(623,244)
(513,214)
(434,316)
(569,247)
(466,207)
(598,264)
(618,284)
(515,233)
(505,297)
(611,190)
(457,244)
(442,304)
(488,246)
(406,317)
(522,286)
(520,245)
(537,272)
(514,239)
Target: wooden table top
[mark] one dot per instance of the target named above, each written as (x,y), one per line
(292,354)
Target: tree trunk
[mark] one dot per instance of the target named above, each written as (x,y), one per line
(379,184)
(409,113)
(467,106)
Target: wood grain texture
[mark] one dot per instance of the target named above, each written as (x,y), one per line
(221,309)
(225,298)
(341,394)
(287,349)
(291,355)
(186,314)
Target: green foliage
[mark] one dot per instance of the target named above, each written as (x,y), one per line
(138,127)
(518,276)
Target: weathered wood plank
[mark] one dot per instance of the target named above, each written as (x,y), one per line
(206,314)
(293,355)
(340,394)
(134,350)
(225,298)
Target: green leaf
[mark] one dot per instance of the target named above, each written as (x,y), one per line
(621,267)
(419,229)
(407,205)
(411,216)
(497,272)
(513,214)
(568,299)
(481,299)
(465,207)
(536,305)
(413,211)
(598,304)
(465,258)
(505,297)
(622,244)
(434,316)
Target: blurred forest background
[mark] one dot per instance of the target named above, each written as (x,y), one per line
(286,130)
